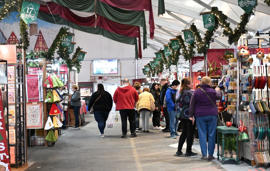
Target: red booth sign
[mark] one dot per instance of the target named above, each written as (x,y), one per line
(4,157)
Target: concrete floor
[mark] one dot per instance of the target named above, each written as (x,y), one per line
(84,150)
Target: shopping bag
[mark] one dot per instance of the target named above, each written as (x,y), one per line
(113,118)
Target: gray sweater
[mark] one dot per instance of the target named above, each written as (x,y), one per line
(76,99)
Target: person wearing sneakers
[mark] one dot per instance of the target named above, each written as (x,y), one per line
(101,101)
(125,97)
(203,107)
(183,101)
(146,100)
(171,107)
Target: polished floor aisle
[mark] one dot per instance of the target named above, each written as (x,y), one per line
(84,150)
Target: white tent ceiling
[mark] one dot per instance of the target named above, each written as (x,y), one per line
(181,14)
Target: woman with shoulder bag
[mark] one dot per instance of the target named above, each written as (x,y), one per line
(203,107)
(145,105)
(101,102)
(188,126)
(75,103)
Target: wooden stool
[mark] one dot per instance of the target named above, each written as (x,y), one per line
(224,130)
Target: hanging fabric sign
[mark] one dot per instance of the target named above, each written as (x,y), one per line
(247,5)
(29,12)
(189,38)
(4,156)
(67,41)
(81,56)
(209,21)
(71,47)
(175,44)
(167,51)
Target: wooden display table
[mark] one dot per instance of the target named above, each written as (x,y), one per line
(224,130)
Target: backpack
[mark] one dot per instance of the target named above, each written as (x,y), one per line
(183,101)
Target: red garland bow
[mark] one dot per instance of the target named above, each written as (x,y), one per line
(242,47)
(259,50)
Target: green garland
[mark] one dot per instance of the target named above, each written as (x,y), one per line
(63,32)
(187,53)
(6,9)
(267,2)
(234,35)
(203,45)
(24,35)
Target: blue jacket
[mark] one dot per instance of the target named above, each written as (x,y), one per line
(170,99)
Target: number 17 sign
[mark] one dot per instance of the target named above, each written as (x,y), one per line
(29,11)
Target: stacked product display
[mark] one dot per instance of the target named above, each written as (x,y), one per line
(53,99)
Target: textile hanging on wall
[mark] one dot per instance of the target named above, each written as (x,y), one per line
(32,88)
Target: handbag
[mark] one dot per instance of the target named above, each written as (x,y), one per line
(152,105)
(92,108)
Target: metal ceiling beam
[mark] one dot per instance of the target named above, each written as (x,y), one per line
(153,47)
(178,9)
(229,19)
(165,30)
(263,8)
(188,24)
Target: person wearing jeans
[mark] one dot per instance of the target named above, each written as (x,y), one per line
(171,107)
(203,107)
(76,104)
(101,102)
(207,124)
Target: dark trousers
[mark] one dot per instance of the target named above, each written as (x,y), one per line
(137,115)
(101,118)
(187,135)
(76,110)
(156,118)
(167,118)
(130,115)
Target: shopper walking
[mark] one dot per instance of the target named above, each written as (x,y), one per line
(125,98)
(137,86)
(75,102)
(203,107)
(101,102)
(144,105)
(188,127)
(164,87)
(171,107)
(155,90)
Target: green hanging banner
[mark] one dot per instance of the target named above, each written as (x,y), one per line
(188,35)
(67,41)
(247,5)
(209,21)
(29,12)
(174,44)
(167,51)
(81,56)
(71,47)
(159,55)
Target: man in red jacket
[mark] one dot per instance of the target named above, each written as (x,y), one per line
(125,98)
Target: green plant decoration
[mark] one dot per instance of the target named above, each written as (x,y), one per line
(188,53)
(267,2)
(234,35)
(63,32)
(6,9)
(203,45)
(24,35)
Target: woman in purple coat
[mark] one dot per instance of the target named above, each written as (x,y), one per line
(203,107)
